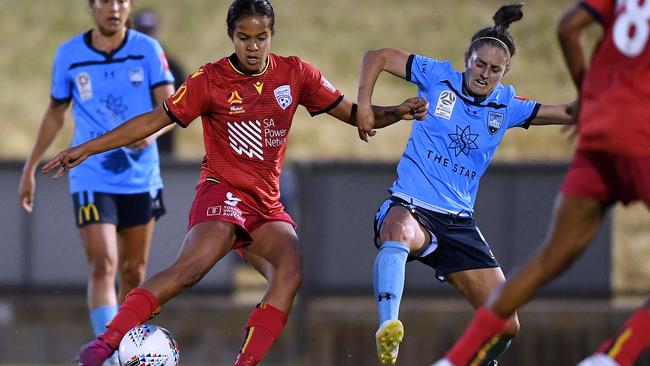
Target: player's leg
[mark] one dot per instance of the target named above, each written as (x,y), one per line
(575,222)
(476,286)
(274,252)
(204,245)
(625,346)
(137,215)
(400,234)
(133,251)
(100,244)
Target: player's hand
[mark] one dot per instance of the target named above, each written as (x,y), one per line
(365,122)
(65,160)
(140,145)
(413,108)
(26,189)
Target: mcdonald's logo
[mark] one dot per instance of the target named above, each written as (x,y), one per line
(85,211)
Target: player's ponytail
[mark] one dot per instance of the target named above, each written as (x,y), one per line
(498,35)
(507,15)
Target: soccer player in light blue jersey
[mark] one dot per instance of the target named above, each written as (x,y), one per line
(109,74)
(429,216)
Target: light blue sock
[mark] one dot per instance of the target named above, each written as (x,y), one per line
(388,279)
(101,316)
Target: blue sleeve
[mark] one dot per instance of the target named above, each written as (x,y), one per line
(521,111)
(61,89)
(158,68)
(424,71)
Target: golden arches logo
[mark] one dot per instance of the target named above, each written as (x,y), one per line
(180,93)
(85,212)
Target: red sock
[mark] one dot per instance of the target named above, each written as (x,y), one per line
(139,306)
(477,339)
(632,339)
(262,329)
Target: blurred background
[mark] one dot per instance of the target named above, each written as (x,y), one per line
(332,184)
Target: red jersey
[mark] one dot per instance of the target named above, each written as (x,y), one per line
(246,120)
(615,95)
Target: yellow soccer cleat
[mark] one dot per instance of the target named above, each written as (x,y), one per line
(388,336)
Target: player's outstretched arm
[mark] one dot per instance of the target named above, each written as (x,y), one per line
(556,114)
(411,108)
(137,128)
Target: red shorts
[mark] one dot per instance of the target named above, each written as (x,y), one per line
(220,201)
(608,177)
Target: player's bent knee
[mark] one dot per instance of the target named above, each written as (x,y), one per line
(398,231)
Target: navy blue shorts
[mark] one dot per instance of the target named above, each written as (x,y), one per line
(122,210)
(456,242)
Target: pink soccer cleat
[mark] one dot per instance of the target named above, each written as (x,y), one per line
(94,353)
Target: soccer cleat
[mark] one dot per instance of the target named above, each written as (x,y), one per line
(244,359)
(598,359)
(388,336)
(94,353)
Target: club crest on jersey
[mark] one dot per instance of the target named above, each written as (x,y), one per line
(445,105)
(84,86)
(283,96)
(136,75)
(494,122)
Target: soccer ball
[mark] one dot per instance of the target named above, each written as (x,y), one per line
(148,345)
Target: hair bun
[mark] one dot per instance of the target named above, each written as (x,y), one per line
(508,14)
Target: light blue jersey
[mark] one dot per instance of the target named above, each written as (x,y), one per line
(448,152)
(108,89)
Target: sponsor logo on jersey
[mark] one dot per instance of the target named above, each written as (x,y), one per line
(136,76)
(445,105)
(245,138)
(231,199)
(324,82)
(463,141)
(283,96)
(258,86)
(494,122)
(236,103)
(84,86)
(214,211)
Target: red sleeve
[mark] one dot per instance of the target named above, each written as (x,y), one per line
(318,95)
(191,100)
(601,10)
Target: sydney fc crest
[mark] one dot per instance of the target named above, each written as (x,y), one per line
(136,75)
(283,96)
(494,122)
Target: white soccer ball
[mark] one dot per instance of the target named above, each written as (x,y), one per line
(148,345)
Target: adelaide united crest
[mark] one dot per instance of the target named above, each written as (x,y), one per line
(283,96)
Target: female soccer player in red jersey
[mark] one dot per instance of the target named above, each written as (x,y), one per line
(108,75)
(246,102)
(611,164)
